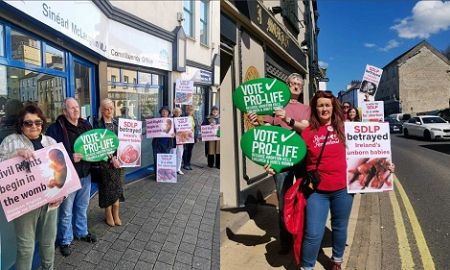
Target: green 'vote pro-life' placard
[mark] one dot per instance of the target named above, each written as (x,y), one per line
(277,146)
(261,96)
(96,144)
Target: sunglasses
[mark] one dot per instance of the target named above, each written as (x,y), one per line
(346,106)
(30,123)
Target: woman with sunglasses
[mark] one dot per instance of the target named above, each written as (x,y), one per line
(40,222)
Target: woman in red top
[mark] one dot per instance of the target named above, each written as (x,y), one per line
(331,194)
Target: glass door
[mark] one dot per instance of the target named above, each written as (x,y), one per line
(83,87)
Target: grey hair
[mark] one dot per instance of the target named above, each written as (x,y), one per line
(293,76)
(64,106)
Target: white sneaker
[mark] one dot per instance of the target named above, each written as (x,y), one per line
(180,172)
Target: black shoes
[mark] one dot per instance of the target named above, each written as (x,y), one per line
(65,250)
(189,168)
(90,238)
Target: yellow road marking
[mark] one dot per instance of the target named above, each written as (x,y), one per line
(403,243)
(425,255)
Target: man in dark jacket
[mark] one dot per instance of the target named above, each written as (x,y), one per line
(72,220)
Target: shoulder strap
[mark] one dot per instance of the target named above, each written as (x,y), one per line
(321,151)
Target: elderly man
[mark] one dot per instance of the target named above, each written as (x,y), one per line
(295,116)
(72,220)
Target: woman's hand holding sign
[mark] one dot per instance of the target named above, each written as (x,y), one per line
(25,153)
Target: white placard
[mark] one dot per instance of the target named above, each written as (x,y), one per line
(373,111)
(160,127)
(184,91)
(166,168)
(130,142)
(369,84)
(368,157)
(209,133)
(183,130)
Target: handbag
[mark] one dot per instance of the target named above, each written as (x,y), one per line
(312,178)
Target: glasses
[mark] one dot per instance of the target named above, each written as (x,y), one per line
(346,106)
(30,123)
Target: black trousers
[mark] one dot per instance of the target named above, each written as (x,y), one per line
(214,159)
(187,154)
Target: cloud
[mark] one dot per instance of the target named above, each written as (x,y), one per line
(323,64)
(390,45)
(428,17)
(370,45)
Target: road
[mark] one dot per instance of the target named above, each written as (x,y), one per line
(423,169)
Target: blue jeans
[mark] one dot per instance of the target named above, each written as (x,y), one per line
(340,205)
(72,220)
(283,181)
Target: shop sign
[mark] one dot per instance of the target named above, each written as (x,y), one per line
(96,144)
(261,96)
(197,75)
(258,14)
(108,38)
(277,146)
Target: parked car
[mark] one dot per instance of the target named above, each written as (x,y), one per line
(429,127)
(403,117)
(395,126)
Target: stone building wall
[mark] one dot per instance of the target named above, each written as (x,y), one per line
(424,83)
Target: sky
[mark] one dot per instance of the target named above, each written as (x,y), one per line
(354,33)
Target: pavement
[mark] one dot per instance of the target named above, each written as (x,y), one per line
(165,225)
(249,237)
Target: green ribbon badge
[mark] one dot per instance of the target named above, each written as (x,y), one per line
(261,96)
(277,146)
(96,144)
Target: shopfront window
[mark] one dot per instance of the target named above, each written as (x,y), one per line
(25,48)
(137,96)
(198,103)
(20,87)
(204,9)
(54,58)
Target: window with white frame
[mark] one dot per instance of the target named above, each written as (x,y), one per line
(188,14)
(204,9)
